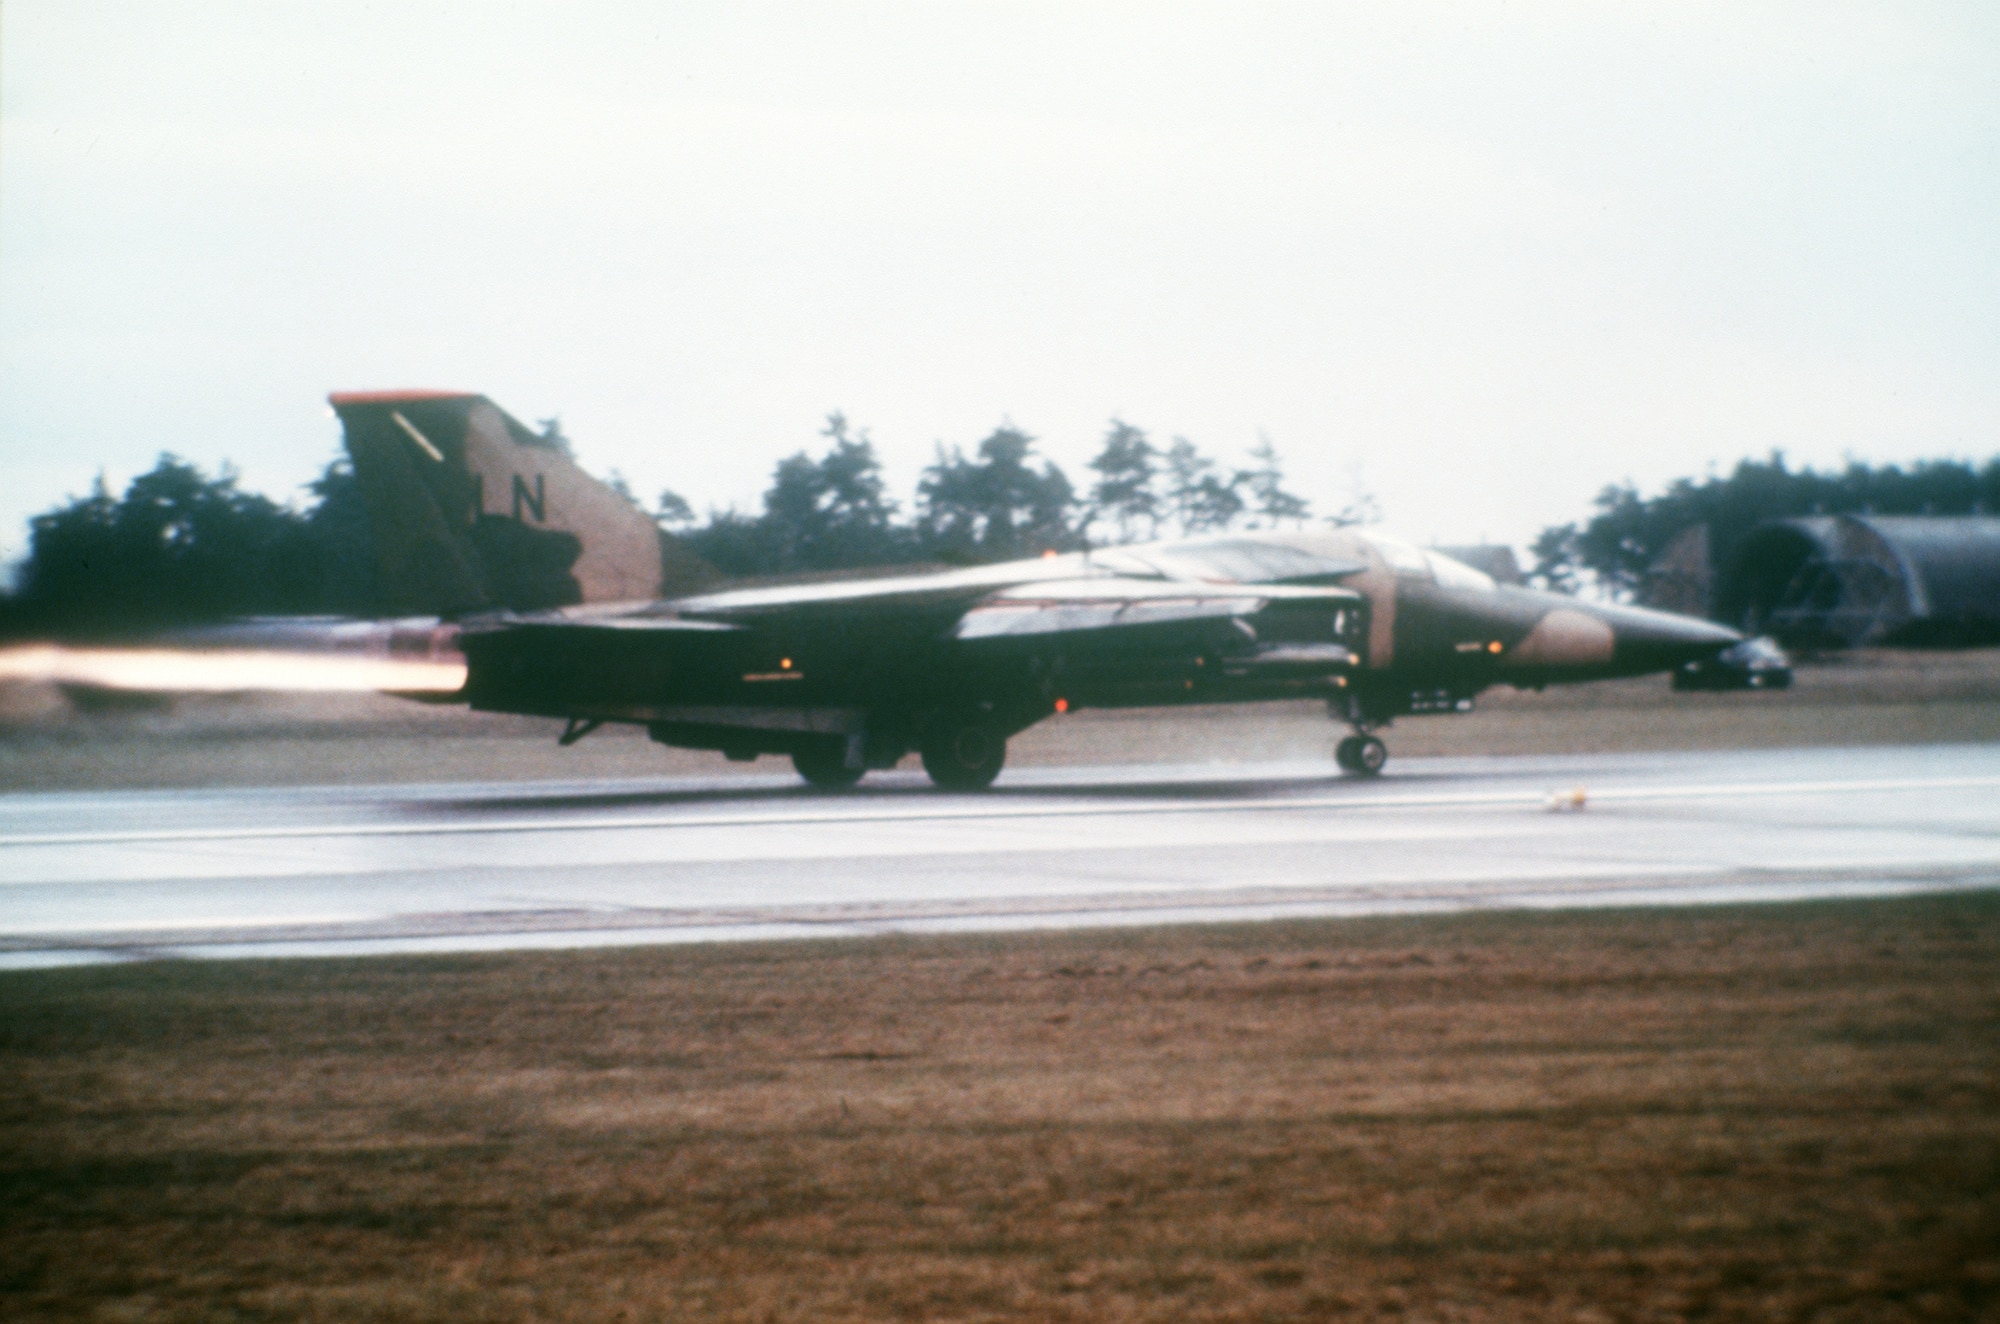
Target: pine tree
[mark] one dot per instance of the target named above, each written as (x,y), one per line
(996,506)
(1198,499)
(1269,499)
(1126,492)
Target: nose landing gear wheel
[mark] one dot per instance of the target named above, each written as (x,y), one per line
(1361,755)
(962,752)
(826,768)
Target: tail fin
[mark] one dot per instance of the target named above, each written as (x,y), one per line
(473,512)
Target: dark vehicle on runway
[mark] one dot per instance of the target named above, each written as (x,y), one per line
(1754,664)
(572,604)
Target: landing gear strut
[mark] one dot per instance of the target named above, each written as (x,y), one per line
(826,765)
(1361,754)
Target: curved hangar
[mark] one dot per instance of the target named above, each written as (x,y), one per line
(1844,580)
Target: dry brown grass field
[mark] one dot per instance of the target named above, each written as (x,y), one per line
(1865,698)
(1764,1113)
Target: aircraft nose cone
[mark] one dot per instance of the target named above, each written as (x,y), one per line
(1644,640)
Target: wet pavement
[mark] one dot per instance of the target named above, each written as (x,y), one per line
(307,871)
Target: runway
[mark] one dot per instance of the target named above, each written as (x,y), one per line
(324,871)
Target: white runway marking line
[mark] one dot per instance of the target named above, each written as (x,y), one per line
(639,924)
(916,814)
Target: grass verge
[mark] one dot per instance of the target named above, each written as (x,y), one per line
(1782,1112)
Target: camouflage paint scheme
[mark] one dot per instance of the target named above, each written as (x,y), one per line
(572,604)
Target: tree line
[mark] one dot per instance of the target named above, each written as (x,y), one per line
(1629,531)
(998,502)
(181,547)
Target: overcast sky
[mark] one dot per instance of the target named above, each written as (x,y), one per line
(1484,257)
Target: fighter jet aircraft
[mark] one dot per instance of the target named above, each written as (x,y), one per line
(572,604)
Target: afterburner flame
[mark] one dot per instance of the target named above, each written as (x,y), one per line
(222,671)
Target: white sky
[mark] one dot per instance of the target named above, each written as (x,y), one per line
(1489,256)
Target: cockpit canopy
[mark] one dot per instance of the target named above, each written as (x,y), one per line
(1411,562)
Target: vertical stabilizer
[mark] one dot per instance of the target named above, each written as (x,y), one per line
(473,512)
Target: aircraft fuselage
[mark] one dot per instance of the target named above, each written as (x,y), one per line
(479,519)
(1377,629)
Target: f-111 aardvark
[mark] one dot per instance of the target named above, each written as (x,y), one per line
(573,605)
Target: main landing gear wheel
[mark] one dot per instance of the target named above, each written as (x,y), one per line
(1361,755)
(825,766)
(962,752)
